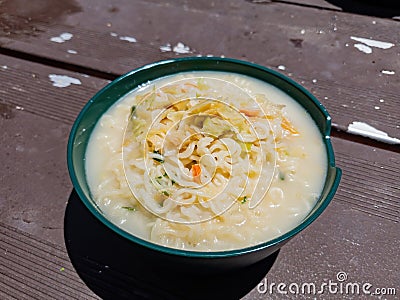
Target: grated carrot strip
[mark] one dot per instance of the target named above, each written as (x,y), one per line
(250,112)
(285,124)
(196,171)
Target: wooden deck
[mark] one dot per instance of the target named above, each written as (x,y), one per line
(314,42)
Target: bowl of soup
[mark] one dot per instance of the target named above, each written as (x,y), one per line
(208,162)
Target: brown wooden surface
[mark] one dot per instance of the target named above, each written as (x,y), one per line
(358,233)
(323,59)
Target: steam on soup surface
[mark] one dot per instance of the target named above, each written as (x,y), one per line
(206,161)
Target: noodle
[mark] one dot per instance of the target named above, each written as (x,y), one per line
(206,161)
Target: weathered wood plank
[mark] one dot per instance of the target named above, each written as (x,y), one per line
(28,86)
(359,228)
(32,268)
(341,240)
(313,46)
(33,144)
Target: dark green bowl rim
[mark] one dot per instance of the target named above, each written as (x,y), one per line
(201,254)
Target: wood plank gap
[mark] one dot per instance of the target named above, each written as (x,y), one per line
(50,274)
(338,133)
(58,64)
(392,216)
(301,4)
(48,285)
(5,295)
(18,280)
(312,6)
(368,211)
(371,165)
(13,291)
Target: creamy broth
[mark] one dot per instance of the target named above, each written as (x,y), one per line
(285,170)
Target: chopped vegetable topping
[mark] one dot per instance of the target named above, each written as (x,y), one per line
(250,112)
(165,193)
(246,147)
(196,171)
(166,175)
(288,126)
(201,84)
(216,126)
(281,175)
(244,200)
(129,208)
(156,158)
(133,108)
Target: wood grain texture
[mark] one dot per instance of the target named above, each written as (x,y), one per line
(27,86)
(370,179)
(341,240)
(358,233)
(31,268)
(313,45)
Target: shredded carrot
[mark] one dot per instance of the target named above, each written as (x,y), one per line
(191,84)
(170,89)
(196,171)
(250,113)
(288,126)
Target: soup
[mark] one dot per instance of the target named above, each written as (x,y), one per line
(206,161)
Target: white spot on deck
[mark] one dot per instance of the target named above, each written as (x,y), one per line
(72,51)
(66,36)
(373,43)
(387,72)
(364,129)
(63,80)
(282,67)
(166,48)
(129,39)
(181,48)
(19,148)
(363,48)
(302,31)
(351,242)
(4,67)
(19,107)
(314,81)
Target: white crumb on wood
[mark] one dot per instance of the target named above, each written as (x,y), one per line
(363,48)
(166,48)
(129,39)
(373,43)
(388,72)
(364,129)
(63,37)
(181,48)
(63,80)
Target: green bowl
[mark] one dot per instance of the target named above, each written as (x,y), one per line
(104,99)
